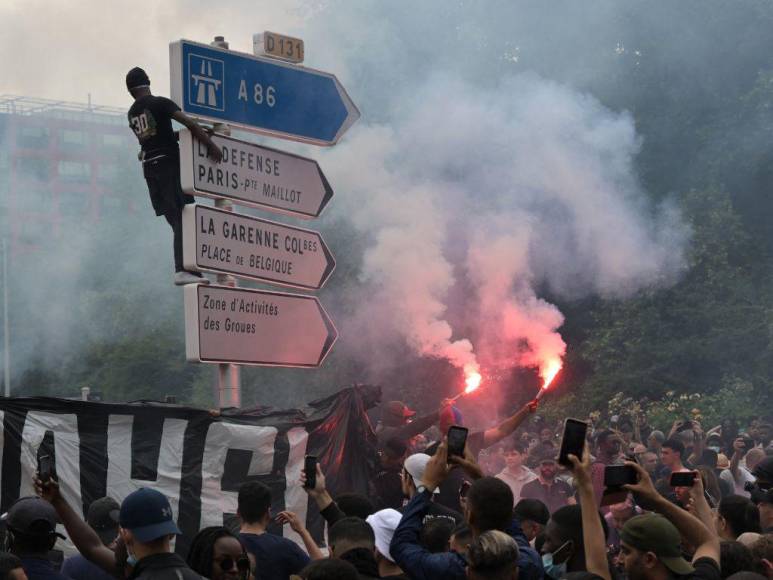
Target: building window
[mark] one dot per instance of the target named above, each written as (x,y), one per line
(72,138)
(108,172)
(74,203)
(32,136)
(31,198)
(74,171)
(112,205)
(36,168)
(113,140)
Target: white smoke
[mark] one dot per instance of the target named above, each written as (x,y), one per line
(503,192)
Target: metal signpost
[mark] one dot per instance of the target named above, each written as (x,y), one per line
(255,327)
(224,324)
(259,94)
(255,176)
(253,248)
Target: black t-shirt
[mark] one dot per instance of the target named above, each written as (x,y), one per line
(150,118)
(705,569)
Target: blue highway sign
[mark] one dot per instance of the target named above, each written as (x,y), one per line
(259,94)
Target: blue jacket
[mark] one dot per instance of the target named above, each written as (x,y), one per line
(418,563)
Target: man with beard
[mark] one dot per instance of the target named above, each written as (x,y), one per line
(650,545)
(608,445)
(553,492)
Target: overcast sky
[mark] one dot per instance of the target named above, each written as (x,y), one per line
(66,49)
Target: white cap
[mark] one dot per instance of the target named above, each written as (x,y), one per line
(384,524)
(415,466)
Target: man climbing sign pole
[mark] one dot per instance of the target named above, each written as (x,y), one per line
(150,117)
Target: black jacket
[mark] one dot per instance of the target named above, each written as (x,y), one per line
(163,567)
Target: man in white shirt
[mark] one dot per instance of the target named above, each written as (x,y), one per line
(516,474)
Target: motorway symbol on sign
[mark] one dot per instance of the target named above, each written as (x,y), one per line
(220,241)
(259,94)
(253,175)
(255,327)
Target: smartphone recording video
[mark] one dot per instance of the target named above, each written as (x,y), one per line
(310,470)
(619,475)
(457,440)
(572,441)
(682,479)
(45,468)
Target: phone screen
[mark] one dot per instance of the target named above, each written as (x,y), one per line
(310,469)
(573,440)
(44,468)
(618,475)
(682,479)
(457,439)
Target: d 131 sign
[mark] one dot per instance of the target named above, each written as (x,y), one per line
(255,327)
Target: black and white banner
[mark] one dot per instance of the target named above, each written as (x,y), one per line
(198,461)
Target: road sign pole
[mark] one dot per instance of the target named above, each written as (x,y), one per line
(229,391)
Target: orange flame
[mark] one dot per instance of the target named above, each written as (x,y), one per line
(549,371)
(472,380)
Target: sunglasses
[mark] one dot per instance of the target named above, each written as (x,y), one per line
(242,563)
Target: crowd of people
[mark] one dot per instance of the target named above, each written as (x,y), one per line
(504,508)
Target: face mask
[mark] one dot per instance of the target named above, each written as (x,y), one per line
(555,571)
(131,559)
(714,449)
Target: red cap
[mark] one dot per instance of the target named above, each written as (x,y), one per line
(399,409)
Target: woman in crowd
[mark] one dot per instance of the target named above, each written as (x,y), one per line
(217,554)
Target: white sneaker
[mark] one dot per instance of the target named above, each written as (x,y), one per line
(182,278)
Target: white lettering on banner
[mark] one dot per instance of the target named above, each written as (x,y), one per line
(119,459)
(220,438)
(66,451)
(296,500)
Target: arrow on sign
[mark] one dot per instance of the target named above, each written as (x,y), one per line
(255,327)
(259,94)
(220,241)
(253,175)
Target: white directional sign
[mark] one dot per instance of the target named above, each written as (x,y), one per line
(255,176)
(220,241)
(255,327)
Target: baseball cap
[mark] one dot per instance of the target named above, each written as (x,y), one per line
(103,517)
(654,533)
(146,513)
(384,524)
(399,409)
(32,516)
(415,466)
(764,469)
(137,78)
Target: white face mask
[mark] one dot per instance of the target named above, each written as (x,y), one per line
(555,571)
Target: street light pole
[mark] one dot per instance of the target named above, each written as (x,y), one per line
(6,326)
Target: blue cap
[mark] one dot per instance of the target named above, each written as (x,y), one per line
(146,513)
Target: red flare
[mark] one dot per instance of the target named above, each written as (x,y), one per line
(472,381)
(549,371)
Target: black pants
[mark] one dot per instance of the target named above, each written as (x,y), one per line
(174,218)
(162,175)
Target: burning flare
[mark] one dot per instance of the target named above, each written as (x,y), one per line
(472,379)
(549,370)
